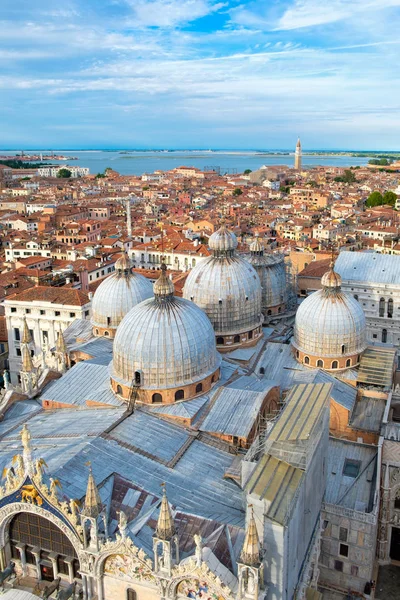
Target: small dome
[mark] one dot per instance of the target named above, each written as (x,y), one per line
(256,247)
(163,286)
(223,240)
(331,279)
(330,323)
(117,294)
(272,273)
(168,340)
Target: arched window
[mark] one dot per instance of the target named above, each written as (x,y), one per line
(199,388)
(269,312)
(131,594)
(106,333)
(335,364)
(382,307)
(156,398)
(306,360)
(390,308)
(297,354)
(262,371)
(119,389)
(138,378)
(348,362)
(356,296)
(384,336)
(236,339)
(214,378)
(97,331)
(250,335)
(279,309)
(343,348)
(179,395)
(33,530)
(220,341)
(320,363)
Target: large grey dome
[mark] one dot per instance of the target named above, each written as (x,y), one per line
(330,323)
(117,294)
(272,273)
(169,341)
(226,287)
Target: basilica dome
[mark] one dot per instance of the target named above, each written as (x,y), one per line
(330,327)
(272,273)
(115,297)
(166,347)
(228,289)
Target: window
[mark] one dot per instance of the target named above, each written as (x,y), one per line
(45,335)
(236,339)
(390,308)
(356,296)
(384,336)
(138,378)
(17,335)
(250,335)
(335,364)
(338,565)
(119,389)
(351,467)
(320,363)
(86,313)
(106,333)
(306,360)
(156,398)
(262,371)
(220,341)
(269,312)
(179,395)
(374,335)
(199,388)
(131,594)
(108,321)
(343,348)
(354,570)
(27,310)
(57,313)
(343,550)
(18,350)
(42,312)
(13,309)
(33,530)
(382,307)
(72,315)
(348,362)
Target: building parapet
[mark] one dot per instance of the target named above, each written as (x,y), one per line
(342,511)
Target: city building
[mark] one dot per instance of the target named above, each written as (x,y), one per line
(297,156)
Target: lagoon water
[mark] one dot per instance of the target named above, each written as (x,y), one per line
(136,162)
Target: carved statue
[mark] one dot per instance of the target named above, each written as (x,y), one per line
(6,379)
(18,461)
(199,547)
(26,438)
(40,465)
(8,571)
(54,485)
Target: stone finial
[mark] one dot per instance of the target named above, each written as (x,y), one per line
(250,554)
(165,525)
(93,504)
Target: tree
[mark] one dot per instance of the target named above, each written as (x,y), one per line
(347,177)
(64,173)
(100,176)
(237,192)
(247,172)
(389,198)
(374,199)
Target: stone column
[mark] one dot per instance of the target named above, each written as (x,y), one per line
(84,586)
(99,585)
(89,588)
(36,553)
(2,559)
(53,558)
(69,561)
(22,553)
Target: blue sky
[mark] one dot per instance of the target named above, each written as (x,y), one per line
(200,74)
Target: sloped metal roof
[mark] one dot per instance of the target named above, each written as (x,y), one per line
(368,267)
(376,367)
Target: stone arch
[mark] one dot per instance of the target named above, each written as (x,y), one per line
(9,511)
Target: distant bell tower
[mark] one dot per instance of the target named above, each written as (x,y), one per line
(297,156)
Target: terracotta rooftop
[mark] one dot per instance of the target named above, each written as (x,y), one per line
(55,295)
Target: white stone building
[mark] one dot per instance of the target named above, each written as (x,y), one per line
(374,280)
(47,311)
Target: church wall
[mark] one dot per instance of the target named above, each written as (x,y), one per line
(168,395)
(117,588)
(358,532)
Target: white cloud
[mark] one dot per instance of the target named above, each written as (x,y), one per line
(171,13)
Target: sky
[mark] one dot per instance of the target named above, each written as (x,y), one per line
(237,74)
